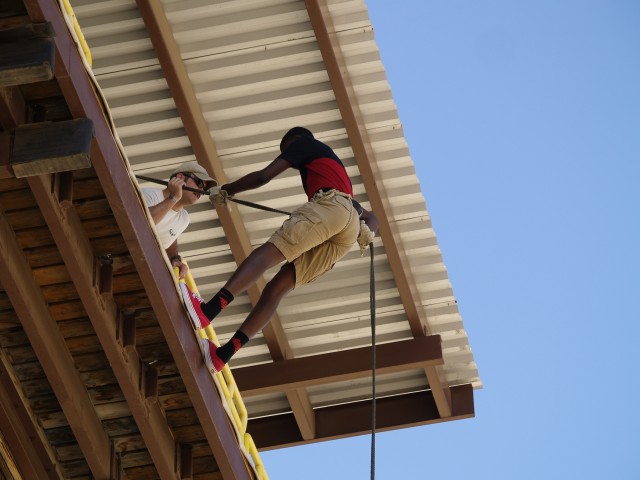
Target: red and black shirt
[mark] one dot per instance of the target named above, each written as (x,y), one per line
(319,166)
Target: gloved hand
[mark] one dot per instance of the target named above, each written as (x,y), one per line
(218,196)
(365,237)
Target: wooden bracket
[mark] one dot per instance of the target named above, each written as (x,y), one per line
(149,382)
(63,183)
(126,329)
(104,274)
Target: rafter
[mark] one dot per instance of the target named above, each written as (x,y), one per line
(338,366)
(365,157)
(46,339)
(205,150)
(53,354)
(340,421)
(19,427)
(125,203)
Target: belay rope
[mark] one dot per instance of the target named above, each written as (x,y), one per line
(372,307)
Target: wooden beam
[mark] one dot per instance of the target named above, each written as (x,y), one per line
(52,352)
(28,54)
(338,366)
(340,421)
(150,262)
(50,147)
(380,202)
(205,151)
(19,427)
(74,246)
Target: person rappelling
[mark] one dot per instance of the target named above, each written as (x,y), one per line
(310,241)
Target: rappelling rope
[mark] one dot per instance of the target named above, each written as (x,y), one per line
(372,306)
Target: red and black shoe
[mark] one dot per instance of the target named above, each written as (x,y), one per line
(211,359)
(194,302)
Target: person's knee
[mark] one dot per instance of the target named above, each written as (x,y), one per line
(282,283)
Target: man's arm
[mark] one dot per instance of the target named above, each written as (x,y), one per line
(176,260)
(172,195)
(257,179)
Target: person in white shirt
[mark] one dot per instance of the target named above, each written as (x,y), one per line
(167,207)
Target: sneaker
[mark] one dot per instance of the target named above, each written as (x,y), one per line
(213,362)
(194,302)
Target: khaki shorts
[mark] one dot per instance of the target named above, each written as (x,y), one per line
(318,234)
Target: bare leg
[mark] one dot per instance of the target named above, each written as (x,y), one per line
(252,268)
(283,282)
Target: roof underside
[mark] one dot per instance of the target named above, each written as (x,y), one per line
(219,82)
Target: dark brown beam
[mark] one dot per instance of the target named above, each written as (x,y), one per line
(338,366)
(52,352)
(49,147)
(205,151)
(149,260)
(27,56)
(74,246)
(21,431)
(340,421)
(380,202)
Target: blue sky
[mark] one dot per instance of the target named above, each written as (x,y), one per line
(523,120)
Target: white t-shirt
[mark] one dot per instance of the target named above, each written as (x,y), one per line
(173,223)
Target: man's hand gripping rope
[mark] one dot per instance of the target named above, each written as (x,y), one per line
(218,196)
(365,237)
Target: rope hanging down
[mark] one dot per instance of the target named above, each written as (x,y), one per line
(372,306)
(202,192)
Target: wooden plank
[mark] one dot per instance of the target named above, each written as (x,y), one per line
(338,366)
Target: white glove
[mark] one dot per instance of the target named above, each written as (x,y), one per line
(365,237)
(217,196)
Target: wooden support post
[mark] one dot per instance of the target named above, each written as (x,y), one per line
(27,54)
(50,147)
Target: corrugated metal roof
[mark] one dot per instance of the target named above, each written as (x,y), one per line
(257,70)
